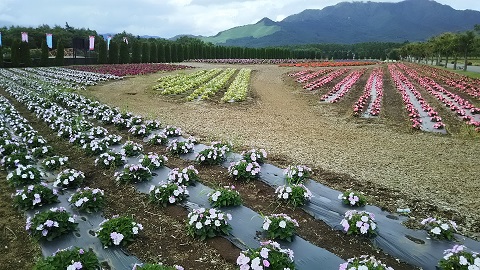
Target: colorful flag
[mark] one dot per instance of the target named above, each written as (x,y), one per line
(108,42)
(92,42)
(25,36)
(125,40)
(49,41)
(0,39)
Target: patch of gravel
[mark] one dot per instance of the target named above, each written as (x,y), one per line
(295,128)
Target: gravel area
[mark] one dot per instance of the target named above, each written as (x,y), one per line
(294,127)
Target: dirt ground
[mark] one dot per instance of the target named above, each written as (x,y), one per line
(431,174)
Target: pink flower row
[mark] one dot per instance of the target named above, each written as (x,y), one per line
(400,80)
(367,92)
(325,79)
(342,88)
(458,105)
(308,77)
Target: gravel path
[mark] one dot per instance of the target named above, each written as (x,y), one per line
(292,125)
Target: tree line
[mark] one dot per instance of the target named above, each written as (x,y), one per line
(444,46)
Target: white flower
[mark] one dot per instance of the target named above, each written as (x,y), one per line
(282,224)
(436,230)
(285,196)
(445,226)
(198,225)
(362,267)
(135,230)
(266,225)
(71,219)
(463,260)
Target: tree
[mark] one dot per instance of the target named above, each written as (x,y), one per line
(145,52)
(161,53)
(59,58)
(466,41)
(153,52)
(136,52)
(102,52)
(124,53)
(113,53)
(44,55)
(168,53)
(15,53)
(1,56)
(446,43)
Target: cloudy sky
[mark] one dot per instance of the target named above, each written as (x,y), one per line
(164,18)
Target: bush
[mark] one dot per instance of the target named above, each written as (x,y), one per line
(207,223)
(225,196)
(51,224)
(71,258)
(34,196)
(118,231)
(170,193)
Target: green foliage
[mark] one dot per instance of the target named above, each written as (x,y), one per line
(44,55)
(225,196)
(161,53)
(151,266)
(124,53)
(33,196)
(126,226)
(50,224)
(207,223)
(145,52)
(1,56)
(170,193)
(64,258)
(280,226)
(15,53)
(17,177)
(153,52)
(25,58)
(102,52)
(88,199)
(59,58)
(136,52)
(113,53)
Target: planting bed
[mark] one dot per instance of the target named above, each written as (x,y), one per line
(318,233)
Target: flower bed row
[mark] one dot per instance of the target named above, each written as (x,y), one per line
(325,79)
(342,88)
(210,88)
(238,89)
(305,76)
(331,64)
(129,69)
(463,108)
(178,84)
(372,93)
(405,87)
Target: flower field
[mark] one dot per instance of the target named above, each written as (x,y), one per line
(122,70)
(292,206)
(205,84)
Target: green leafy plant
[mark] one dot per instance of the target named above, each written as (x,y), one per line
(25,175)
(244,171)
(364,262)
(54,162)
(459,258)
(133,173)
(152,266)
(186,176)
(207,223)
(51,224)
(440,229)
(69,178)
(295,194)
(132,149)
(16,159)
(158,139)
(210,156)
(359,222)
(33,196)
(269,255)
(88,199)
(42,151)
(297,174)
(255,155)
(110,159)
(71,258)
(280,226)
(176,147)
(169,193)
(353,198)
(118,231)
(225,196)
(153,161)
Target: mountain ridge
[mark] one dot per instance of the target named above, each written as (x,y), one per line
(353,22)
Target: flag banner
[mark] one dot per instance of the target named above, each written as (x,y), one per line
(125,40)
(0,39)
(49,41)
(25,36)
(92,43)
(108,42)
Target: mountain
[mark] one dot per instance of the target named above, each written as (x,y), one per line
(353,22)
